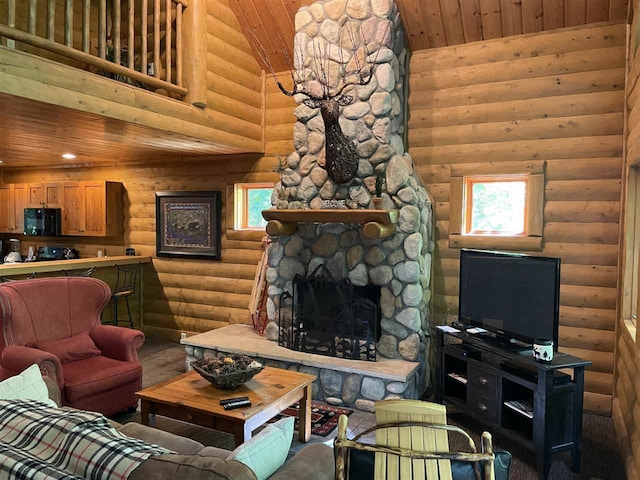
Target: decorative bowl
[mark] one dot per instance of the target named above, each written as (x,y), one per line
(227,371)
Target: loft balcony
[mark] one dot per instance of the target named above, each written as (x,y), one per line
(178,74)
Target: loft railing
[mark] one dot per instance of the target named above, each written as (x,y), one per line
(140,40)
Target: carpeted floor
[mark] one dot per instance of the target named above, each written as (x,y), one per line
(600,460)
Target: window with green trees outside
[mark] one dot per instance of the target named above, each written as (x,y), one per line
(251,199)
(495,205)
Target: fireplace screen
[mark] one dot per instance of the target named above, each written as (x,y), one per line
(330,317)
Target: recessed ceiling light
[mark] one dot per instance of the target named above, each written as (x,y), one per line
(68,156)
(1,162)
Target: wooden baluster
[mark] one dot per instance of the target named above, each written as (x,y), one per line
(11,20)
(117,19)
(131,44)
(51,20)
(68,24)
(167,39)
(102,29)
(179,44)
(86,25)
(156,38)
(194,52)
(143,35)
(33,12)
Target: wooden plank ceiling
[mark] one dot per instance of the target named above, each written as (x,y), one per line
(435,23)
(37,134)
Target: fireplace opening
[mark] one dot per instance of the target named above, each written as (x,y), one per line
(330,317)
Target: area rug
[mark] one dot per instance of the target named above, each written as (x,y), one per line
(324,418)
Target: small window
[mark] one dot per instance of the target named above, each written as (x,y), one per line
(495,206)
(250,200)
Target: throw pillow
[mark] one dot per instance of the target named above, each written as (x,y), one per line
(265,453)
(72,349)
(28,385)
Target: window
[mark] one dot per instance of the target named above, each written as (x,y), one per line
(631,252)
(497,206)
(250,200)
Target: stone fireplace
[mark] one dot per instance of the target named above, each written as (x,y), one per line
(394,260)
(399,264)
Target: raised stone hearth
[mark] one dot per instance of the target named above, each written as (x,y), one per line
(350,383)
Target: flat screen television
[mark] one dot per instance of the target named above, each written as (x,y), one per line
(512,295)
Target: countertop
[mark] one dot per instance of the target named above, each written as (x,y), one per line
(8,269)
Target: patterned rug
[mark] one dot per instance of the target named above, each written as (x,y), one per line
(324,418)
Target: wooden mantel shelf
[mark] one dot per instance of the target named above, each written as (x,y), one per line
(376,223)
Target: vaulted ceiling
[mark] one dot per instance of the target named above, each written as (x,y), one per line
(435,23)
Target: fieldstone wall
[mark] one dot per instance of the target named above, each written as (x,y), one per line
(374,121)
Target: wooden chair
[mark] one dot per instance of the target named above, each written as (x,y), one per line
(412,443)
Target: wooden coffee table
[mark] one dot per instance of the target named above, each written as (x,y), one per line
(191,398)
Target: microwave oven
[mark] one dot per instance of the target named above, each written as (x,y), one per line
(42,222)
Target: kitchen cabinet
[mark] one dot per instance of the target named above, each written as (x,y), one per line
(91,209)
(7,211)
(13,200)
(45,195)
(20,202)
(88,209)
(73,209)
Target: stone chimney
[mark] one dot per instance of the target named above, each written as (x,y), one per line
(375,121)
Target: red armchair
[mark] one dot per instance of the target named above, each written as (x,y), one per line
(55,323)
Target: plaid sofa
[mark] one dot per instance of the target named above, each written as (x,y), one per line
(194,461)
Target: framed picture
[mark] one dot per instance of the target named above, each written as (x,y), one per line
(188,224)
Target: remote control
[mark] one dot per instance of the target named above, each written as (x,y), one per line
(234,399)
(238,404)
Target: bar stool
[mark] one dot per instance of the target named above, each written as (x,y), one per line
(79,273)
(125,288)
(9,279)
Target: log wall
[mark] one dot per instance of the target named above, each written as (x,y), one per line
(553,96)
(626,401)
(184,295)
(626,397)
(235,81)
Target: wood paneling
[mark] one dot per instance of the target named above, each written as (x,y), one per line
(181,295)
(434,23)
(486,108)
(37,134)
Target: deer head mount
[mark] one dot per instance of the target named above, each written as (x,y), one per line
(320,75)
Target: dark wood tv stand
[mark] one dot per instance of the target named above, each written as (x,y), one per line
(485,381)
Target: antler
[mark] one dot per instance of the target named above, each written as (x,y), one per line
(321,57)
(364,77)
(296,76)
